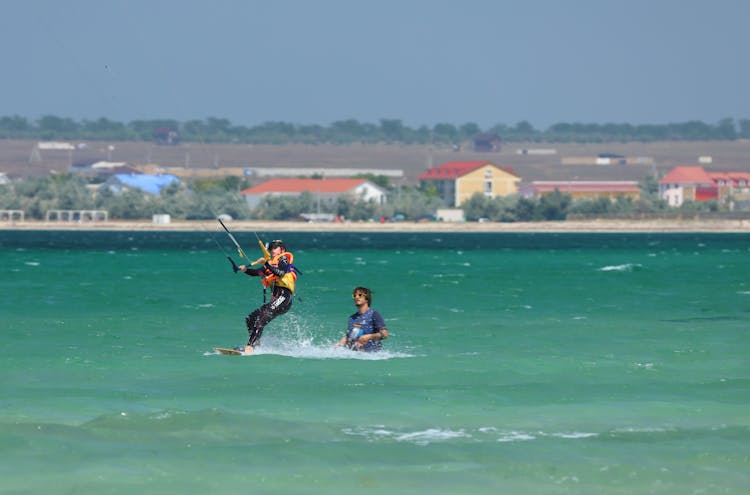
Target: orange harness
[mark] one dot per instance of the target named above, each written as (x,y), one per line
(287,280)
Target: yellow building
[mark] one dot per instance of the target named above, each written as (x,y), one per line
(456,182)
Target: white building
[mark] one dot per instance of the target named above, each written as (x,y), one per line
(327,190)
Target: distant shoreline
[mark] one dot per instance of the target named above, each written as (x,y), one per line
(572,226)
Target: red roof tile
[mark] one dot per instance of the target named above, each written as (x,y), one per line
(453,170)
(586,186)
(686,175)
(302,185)
(734,177)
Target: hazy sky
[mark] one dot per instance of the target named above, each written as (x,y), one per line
(420,61)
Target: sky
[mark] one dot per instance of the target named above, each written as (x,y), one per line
(423,62)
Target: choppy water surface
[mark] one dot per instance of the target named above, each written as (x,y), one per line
(533,363)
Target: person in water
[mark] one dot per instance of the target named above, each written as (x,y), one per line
(366,329)
(278,274)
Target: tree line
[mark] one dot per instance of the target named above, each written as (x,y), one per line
(218,130)
(207,198)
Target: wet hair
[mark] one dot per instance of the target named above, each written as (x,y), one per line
(276,243)
(364,290)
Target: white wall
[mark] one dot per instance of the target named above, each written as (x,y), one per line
(672,195)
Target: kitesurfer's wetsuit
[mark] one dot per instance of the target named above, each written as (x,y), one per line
(278,275)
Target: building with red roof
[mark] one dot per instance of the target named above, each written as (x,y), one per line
(583,189)
(456,182)
(326,190)
(693,183)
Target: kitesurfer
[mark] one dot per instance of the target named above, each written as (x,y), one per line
(277,274)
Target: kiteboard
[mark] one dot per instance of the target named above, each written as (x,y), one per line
(230,352)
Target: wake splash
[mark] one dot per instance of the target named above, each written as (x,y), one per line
(626,267)
(305,349)
(295,337)
(319,352)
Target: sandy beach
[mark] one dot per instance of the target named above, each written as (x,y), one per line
(661,225)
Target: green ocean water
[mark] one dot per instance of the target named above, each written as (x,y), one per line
(517,363)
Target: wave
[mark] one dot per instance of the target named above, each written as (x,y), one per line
(490,433)
(627,267)
(217,425)
(439,435)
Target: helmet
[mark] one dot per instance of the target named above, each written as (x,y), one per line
(276,243)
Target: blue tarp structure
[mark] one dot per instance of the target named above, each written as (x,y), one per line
(151,184)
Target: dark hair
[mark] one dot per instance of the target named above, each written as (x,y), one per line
(276,243)
(364,290)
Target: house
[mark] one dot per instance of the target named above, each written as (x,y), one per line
(732,188)
(456,182)
(326,190)
(693,183)
(102,168)
(489,141)
(583,189)
(166,135)
(151,184)
(687,183)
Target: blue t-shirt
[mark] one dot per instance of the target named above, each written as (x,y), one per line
(365,323)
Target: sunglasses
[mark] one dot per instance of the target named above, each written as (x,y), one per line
(359,294)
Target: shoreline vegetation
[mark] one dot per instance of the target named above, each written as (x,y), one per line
(217,130)
(572,226)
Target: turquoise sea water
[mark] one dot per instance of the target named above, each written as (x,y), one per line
(518,364)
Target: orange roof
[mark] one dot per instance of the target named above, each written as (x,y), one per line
(717,176)
(452,170)
(586,186)
(302,185)
(686,175)
(734,177)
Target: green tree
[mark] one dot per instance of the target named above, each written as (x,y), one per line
(526,210)
(469,130)
(410,202)
(497,209)
(286,207)
(15,127)
(649,186)
(524,131)
(594,207)
(52,127)
(445,133)
(476,207)
(103,128)
(726,130)
(344,206)
(362,210)
(392,130)
(347,131)
(71,194)
(554,206)
(129,205)
(744,132)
